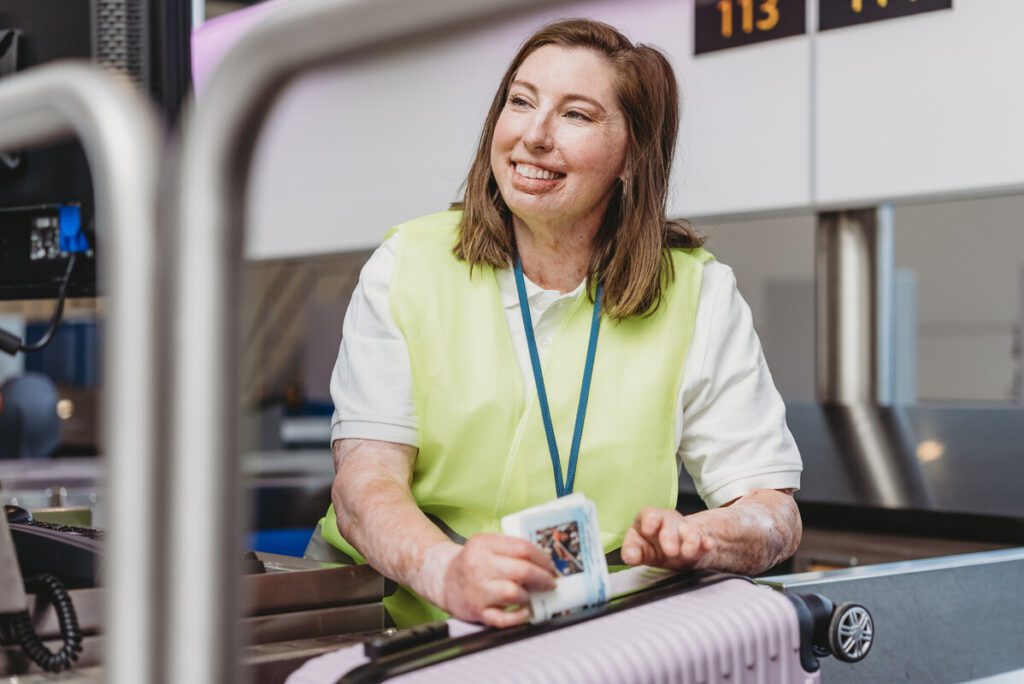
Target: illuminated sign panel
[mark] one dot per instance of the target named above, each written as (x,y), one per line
(724,24)
(838,13)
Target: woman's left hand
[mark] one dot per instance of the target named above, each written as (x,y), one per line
(665,538)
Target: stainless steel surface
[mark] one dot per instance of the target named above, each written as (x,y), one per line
(309,624)
(976,465)
(938,620)
(885,304)
(879,455)
(82,675)
(272,663)
(207,219)
(13,659)
(853,282)
(12,588)
(88,607)
(297,584)
(118,131)
(902,568)
(854,338)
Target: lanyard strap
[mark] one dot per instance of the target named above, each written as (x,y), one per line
(542,395)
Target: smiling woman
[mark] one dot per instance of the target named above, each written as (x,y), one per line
(581,98)
(470,351)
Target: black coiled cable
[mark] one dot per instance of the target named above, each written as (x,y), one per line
(26,636)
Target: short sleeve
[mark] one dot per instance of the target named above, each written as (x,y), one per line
(734,433)
(372,381)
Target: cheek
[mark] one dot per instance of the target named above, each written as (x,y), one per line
(504,135)
(594,153)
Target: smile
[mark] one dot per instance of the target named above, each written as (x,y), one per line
(536,172)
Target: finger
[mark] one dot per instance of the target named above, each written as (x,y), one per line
(649,523)
(636,550)
(504,592)
(693,541)
(526,574)
(631,552)
(670,537)
(528,551)
(496,617)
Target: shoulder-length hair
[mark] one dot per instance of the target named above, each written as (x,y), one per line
(631,254)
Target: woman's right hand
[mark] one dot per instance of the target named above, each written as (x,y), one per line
(492,572)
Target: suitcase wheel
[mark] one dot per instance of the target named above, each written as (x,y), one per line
(851,632)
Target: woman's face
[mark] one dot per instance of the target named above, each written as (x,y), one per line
(560,142)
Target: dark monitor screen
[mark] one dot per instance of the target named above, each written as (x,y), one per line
(146,39)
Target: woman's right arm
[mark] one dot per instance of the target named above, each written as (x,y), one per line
(377,514)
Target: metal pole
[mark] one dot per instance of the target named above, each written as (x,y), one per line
(208,222)
(853,274)
(118,130)
(854,297)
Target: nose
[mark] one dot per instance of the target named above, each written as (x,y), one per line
(537,135)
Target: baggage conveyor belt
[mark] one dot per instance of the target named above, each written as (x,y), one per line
(661,627)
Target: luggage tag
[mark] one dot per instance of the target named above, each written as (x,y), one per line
(567,529)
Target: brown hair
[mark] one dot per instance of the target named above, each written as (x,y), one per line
(631,247)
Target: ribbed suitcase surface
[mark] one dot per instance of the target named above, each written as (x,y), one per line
(731,632)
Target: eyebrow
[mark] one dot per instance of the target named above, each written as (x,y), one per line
(570,96)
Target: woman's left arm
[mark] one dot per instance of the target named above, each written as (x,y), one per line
(748,535)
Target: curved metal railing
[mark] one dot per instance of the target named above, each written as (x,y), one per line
(119,132)
(209,223)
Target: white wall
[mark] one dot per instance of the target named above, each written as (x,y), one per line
(924,105)
(353,150)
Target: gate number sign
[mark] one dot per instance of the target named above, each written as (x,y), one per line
(838,13)
(724,24)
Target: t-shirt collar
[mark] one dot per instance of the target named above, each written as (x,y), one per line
(534,292)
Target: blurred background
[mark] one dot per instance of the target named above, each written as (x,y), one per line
(913,116)
(897,122)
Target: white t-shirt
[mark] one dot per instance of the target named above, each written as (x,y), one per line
(730,420)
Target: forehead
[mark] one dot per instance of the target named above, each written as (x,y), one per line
(558,70)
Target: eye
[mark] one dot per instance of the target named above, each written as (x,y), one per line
(578,115)
(517,101)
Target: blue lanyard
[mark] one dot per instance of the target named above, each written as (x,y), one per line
(542,395)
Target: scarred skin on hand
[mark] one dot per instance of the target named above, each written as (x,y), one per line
(377,514)
(748,535)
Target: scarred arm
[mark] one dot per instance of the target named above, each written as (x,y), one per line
(377,514)
(747,535)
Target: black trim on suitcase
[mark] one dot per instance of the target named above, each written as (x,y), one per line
(444,649)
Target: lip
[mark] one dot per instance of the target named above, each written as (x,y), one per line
(513,162)
(533,186)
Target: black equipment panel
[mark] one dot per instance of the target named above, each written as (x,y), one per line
(32,265)
(48,30)
(148,40)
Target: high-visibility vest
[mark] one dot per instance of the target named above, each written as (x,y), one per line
(483,452)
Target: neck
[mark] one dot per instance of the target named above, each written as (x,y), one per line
(555,257)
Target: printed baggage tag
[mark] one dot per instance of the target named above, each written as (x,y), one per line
(567,529)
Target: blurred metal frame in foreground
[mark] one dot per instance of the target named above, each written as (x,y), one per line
(206,217)
(118,131)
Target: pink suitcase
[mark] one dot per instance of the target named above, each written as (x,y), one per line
(691,628)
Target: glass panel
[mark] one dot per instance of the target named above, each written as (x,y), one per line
(967,259)
(773,260)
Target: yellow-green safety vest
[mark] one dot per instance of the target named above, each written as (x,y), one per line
(482,447)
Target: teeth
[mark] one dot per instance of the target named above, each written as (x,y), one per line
(535,172)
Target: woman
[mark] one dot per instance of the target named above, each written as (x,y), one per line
(474,334)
